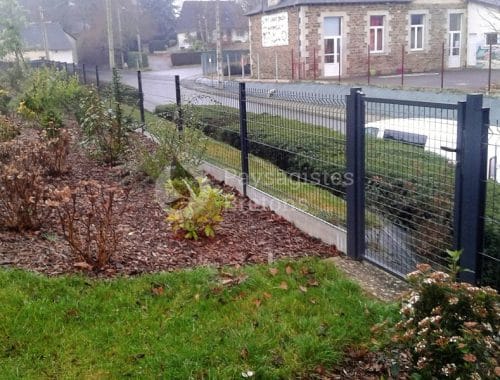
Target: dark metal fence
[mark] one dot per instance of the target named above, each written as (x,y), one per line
(410,182)
(406,180)
(489,256)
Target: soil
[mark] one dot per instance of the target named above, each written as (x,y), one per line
(248,234)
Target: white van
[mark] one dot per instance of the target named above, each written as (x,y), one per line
(438,136)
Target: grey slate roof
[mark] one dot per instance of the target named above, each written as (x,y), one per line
(262,7)
(494,3)
(193,12)
(57,38)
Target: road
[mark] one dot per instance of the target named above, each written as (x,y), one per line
(158,87)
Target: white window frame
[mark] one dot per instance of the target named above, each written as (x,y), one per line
(375,30)
(416,27)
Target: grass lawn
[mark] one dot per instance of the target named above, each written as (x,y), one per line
(199,323)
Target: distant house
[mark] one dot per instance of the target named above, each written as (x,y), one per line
(61,45)
(197,23)
(328,38)
(483,27)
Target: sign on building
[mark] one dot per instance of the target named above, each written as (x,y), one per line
(275,29)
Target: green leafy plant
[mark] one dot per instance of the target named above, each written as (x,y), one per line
(104,129)
(450,329)
(173,148)
(46,95)
(199,212)
(454,263)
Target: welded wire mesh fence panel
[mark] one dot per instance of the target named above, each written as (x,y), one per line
(217,115)
(158,90)
(490,256)
(297,150)
(410,181)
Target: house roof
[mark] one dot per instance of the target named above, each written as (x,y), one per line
(263,6)
(494,3)
(57,38)
(193,13)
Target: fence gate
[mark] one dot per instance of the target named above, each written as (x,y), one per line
(417,175)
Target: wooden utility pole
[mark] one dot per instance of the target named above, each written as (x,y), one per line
(120,34)
(111,43)
(44,34)
(218,51)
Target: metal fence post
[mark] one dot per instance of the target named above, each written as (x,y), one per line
(473,162)
(355,176)
(244,137)
(97,79)
(141,99)
(179,120)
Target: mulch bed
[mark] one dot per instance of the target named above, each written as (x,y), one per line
(248,234)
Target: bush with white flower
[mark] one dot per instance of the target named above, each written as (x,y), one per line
(450,329)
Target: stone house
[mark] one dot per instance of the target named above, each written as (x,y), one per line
(327,38)
(483,28)
(196,22)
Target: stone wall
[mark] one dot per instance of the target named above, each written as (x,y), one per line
(307,44)
(269,56)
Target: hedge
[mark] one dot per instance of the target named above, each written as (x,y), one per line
(187,58)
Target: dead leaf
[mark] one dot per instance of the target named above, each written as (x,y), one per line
(273,271)
(244,353)
(284,285)
(497,371)
(289,270)
(257,302)
(313,282)
(303,289)
(313,301)
(267,295)
(158,290)
(83,265)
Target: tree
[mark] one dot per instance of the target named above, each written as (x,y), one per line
(12,21)
(163,14)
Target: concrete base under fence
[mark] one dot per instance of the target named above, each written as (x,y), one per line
(311,225)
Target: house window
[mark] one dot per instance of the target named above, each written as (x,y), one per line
(376,34)
(417,32)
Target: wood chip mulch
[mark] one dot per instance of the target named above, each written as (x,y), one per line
(248,234)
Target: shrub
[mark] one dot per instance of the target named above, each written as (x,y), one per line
(55,152)
(8,129)
(451,329)
(4,101)
(51,122)
(129,95)
(47,94)
(22,189)
(89,216)
(200,212)
(174,148)
(105,131)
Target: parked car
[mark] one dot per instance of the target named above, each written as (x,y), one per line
(438,136)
